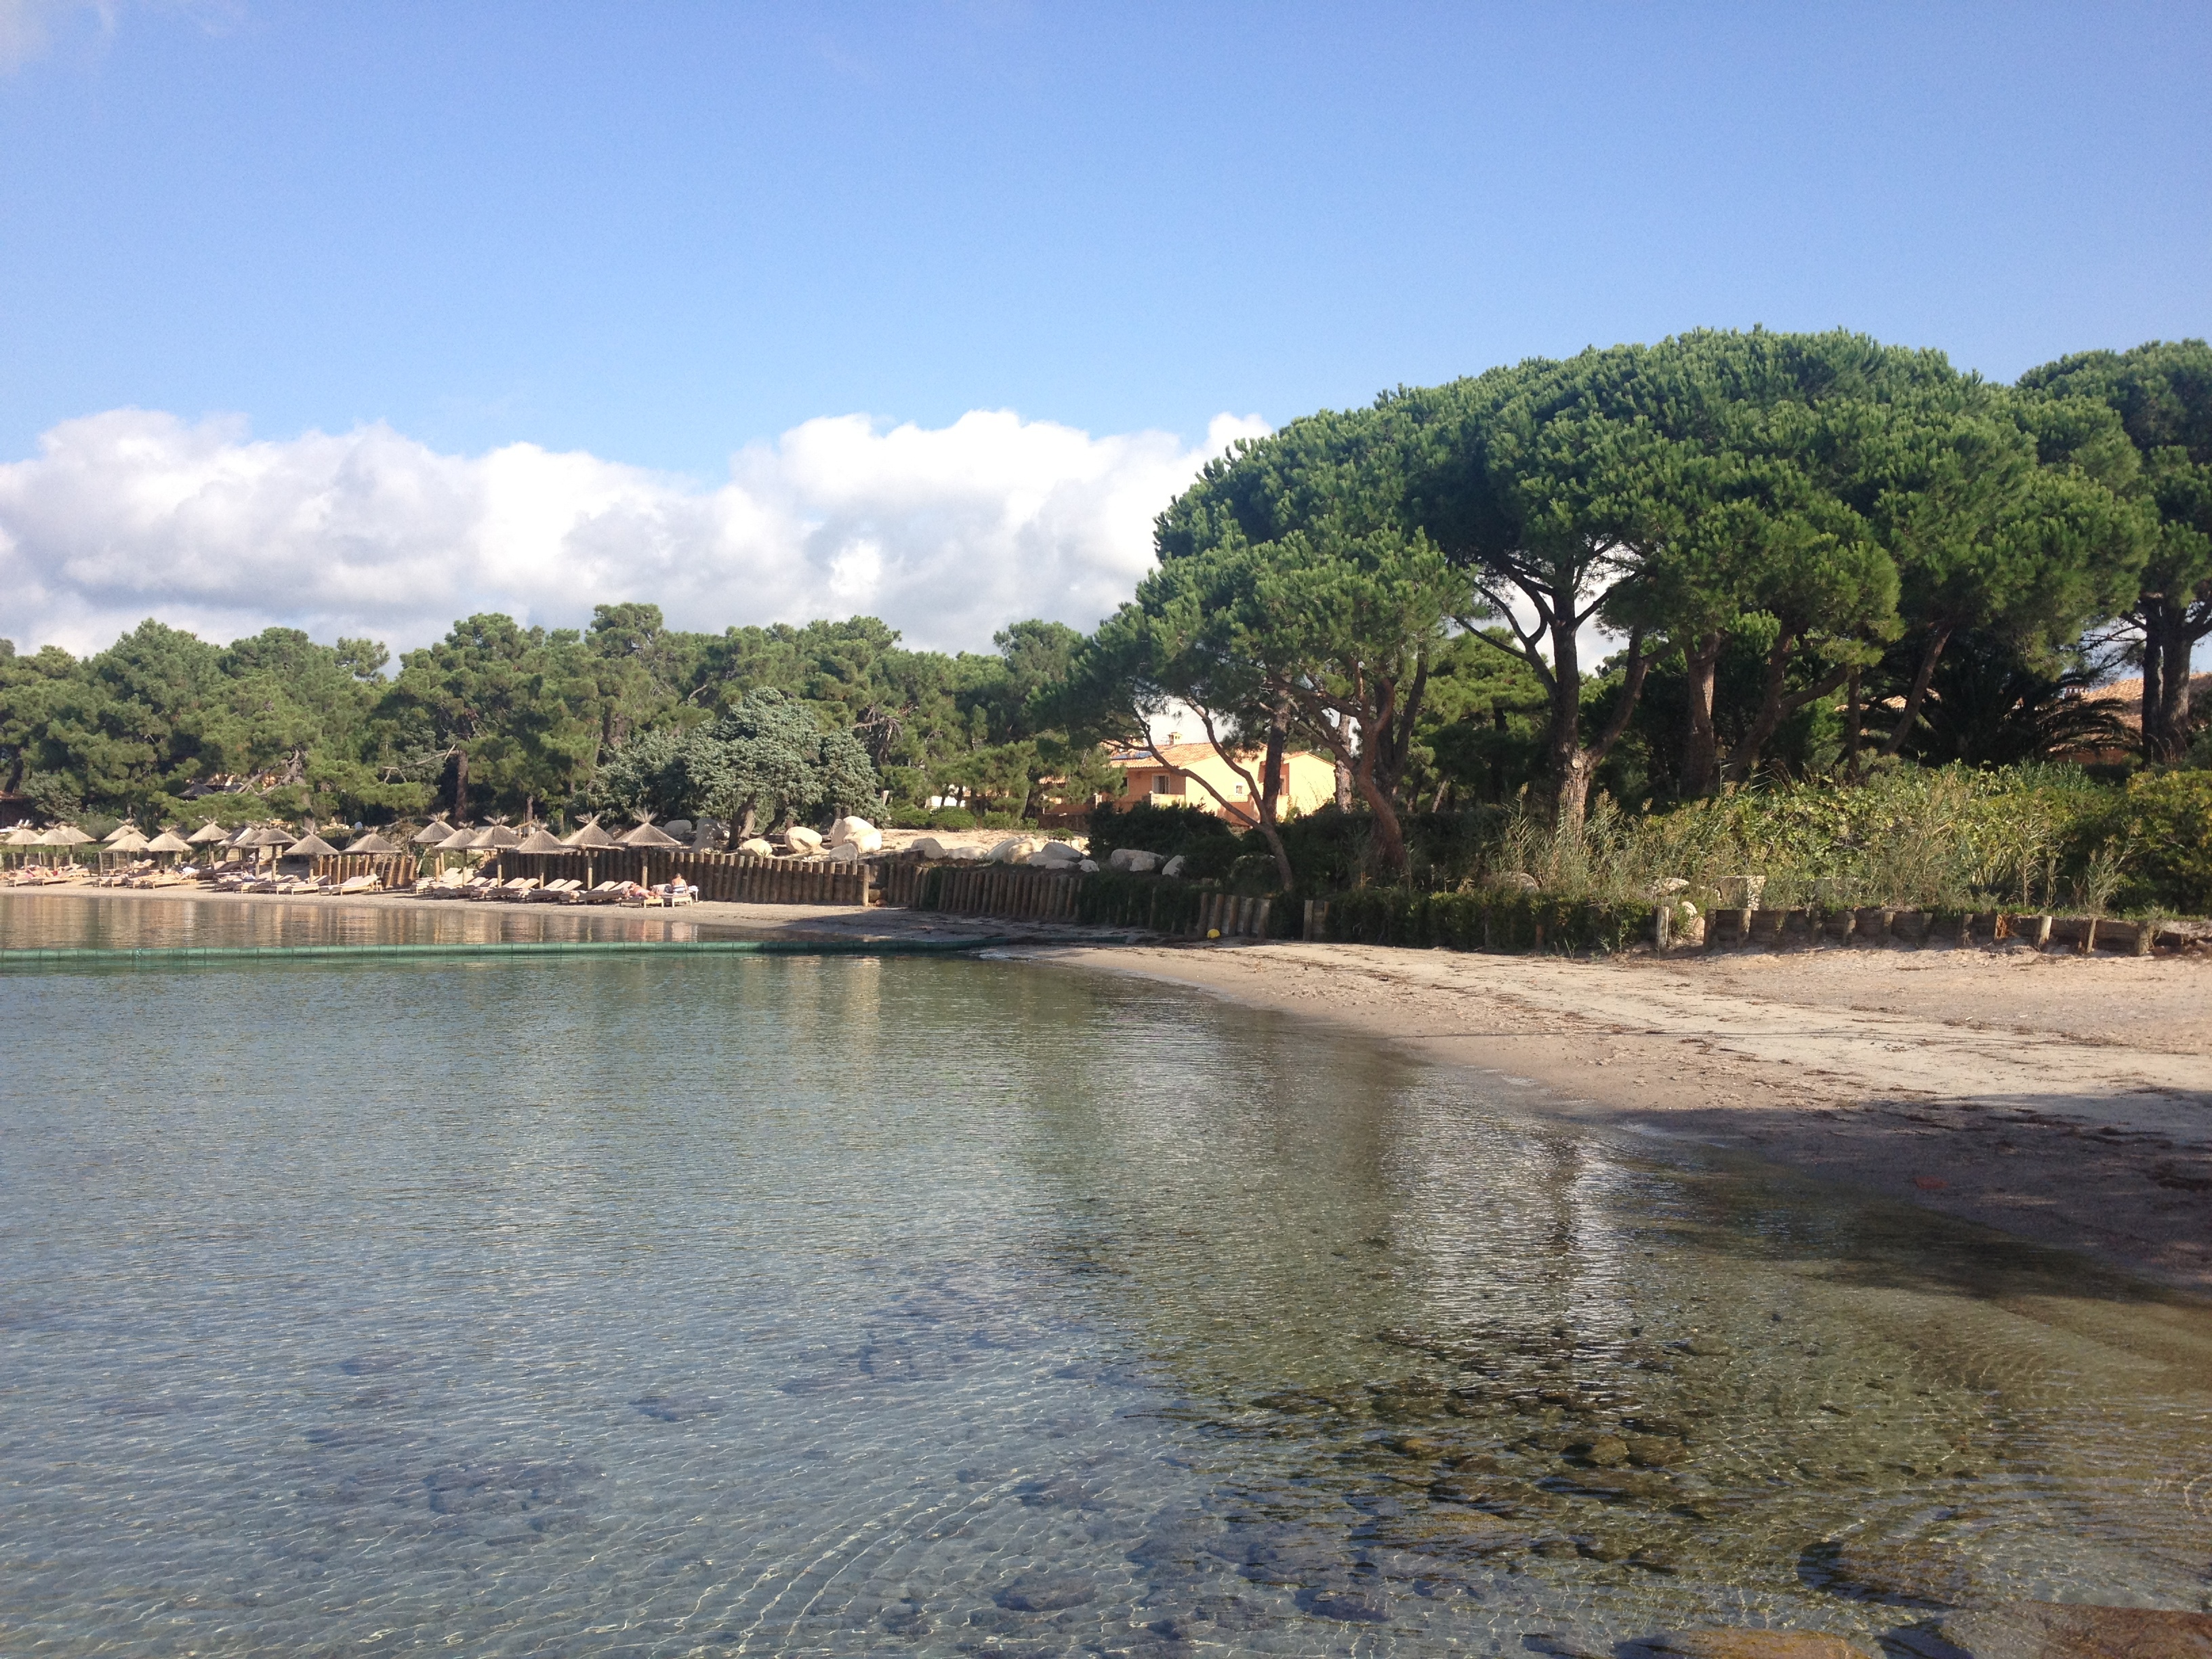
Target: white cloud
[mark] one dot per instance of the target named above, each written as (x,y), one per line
(948,533)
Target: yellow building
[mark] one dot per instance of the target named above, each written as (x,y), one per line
(1179,775)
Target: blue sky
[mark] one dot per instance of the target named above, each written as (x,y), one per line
(657,233)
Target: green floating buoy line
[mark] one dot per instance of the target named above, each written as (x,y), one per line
(223,955)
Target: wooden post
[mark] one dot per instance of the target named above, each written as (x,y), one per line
(2042,933)
(2146,936)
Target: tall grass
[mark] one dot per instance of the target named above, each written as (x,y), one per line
(1951,838)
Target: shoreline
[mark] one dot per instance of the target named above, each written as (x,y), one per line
(2063,1100)
(2082,1122)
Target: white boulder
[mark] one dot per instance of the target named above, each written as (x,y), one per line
(1089,866)
(845,852)
(1133,860)
(1174,866)
(802,840)
(857,833)
(1055,855)
(1013,849)
(930,848)
(759,848)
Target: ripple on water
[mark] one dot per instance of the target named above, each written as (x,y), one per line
(848,1307)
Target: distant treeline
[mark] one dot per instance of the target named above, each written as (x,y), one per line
(1824,557)
(496,718)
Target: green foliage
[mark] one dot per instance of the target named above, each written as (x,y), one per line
(1166,830)
(1490,919)
(767,763)
(2165,821)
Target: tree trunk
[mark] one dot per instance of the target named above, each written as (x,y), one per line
(460,785)
(1700,746)
(1270,788)
(1773,707)
(1389,835)
(1574,768)
(1343,787)
(1564,758)
(1909,717)
(2167,649)
(1854,723)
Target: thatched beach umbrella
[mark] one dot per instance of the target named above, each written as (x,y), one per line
(310,846)
(436,833)
(498,836)
(128,842)
(169,843)
(647,834)
(539,840)
(371,842)
(588,836)
(65,834)
(125,827)
(21,836)
(208,835)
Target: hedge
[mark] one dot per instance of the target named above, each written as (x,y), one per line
(1498,919)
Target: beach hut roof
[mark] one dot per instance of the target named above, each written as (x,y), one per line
(371,842)
(310,846)
(435,833)
(648,834)
(63,835)
(129,841)
(589,835)
(210,831)
(168,841)
(538,840)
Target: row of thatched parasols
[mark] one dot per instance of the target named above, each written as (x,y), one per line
(263,841)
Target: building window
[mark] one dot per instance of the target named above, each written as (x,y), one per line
(1167,783)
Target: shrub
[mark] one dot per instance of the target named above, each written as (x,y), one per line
(2164,821)
(1197,834)
(1495,919)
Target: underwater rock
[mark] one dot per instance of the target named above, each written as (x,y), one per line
(1738,1643)
(1036,1593)
(2052,1630)
(1652,1451)
(1349,1606)
(1913,1572)
(1606,1452)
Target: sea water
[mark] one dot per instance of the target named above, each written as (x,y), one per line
(851,1306)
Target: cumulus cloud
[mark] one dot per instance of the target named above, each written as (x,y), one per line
(947,533)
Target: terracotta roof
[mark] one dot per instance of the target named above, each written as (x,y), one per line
(2128,694)
(1185,754)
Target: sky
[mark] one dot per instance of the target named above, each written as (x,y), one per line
(358,318)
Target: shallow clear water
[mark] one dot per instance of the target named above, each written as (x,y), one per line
(857,1306)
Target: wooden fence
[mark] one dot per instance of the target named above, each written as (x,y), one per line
(733,878)
(1022,893)
(1011,890)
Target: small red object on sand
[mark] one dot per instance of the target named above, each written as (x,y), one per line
(1930,1183)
